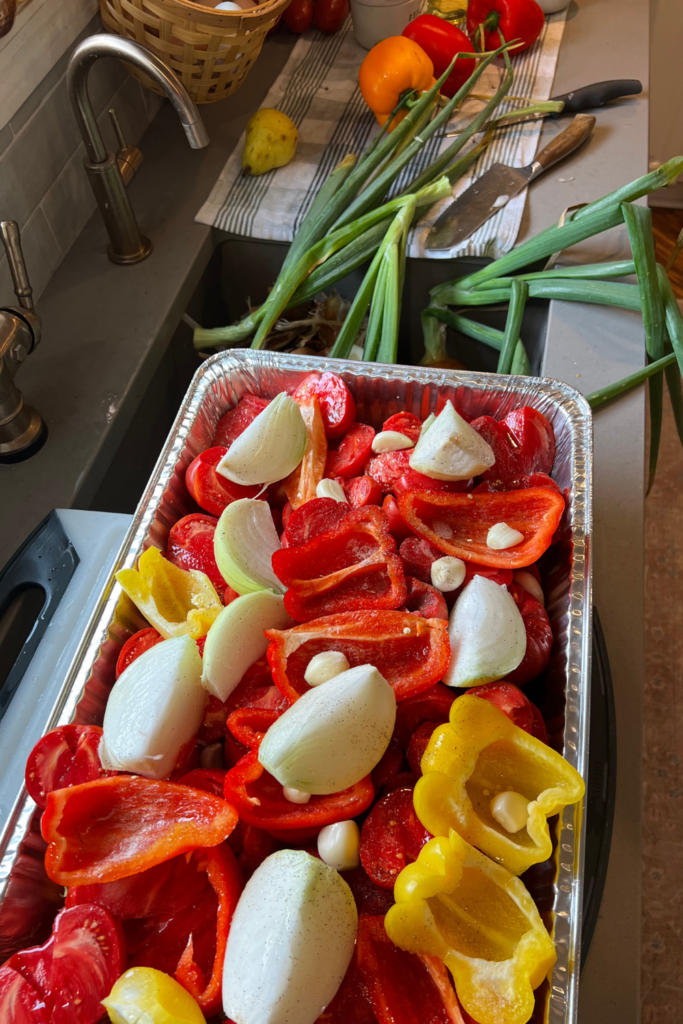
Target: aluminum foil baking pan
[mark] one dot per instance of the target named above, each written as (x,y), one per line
(28,900)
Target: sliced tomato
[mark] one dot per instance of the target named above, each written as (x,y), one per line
(190,546)
(238,419)
(351,1004)
(337,404)
(362,490)
(20,1001)
(510,699)
(425,600)
(210,490)
(311,519)
(75,968)
(352,452)
(392,836)
(539,729)
(432,705)
(389,765)
(418,555)
(136,645)
(404,423)
(370,898)
(539,636)
(64,757)
(414,481)
(387,467)
(418,745)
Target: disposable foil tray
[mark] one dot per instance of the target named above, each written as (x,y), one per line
(28,900)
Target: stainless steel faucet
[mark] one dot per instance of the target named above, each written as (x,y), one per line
(127,244)
(20,425)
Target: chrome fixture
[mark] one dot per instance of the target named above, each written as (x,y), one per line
(103,168)
(20,425)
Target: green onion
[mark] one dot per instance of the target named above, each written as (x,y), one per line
(388,345)
(674,318)
(521,366)
(587,271)
(673,383)
(598,398)
(479,332)
(518,296)
(373,333)
(308,229)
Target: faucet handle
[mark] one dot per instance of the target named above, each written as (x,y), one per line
(128,156)
(9,232)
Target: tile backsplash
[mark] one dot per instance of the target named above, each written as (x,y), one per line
(43,185)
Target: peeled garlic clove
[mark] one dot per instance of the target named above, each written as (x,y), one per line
(325,666)
(450,449)
(339,845)
(487,634)
(331,489)
(334,735)
(501,537)
(295,796)
(391,441)
(291,940)
(155,707)
(270,448)
(243,545)
(511,810)
(448,573)
(236,640)
(527,581)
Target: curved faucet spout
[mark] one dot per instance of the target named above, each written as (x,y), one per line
(128,246)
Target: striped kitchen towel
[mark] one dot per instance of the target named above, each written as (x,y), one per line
(318,89)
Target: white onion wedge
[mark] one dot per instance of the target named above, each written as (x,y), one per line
(155,707)
(334,735)
(235,640)
(243,545)
(487,633)
(450,449)
(270,448)
(291,940)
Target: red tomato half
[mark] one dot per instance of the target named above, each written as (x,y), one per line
(337,404)
(238,419)
(190,546)
(539,636)
(210,490)
(511,701)
(64,757)
(74,970)
(392,836)
(330,15)
(404,423)
(20,1002)
(361,491)
(136,645)
(354,450)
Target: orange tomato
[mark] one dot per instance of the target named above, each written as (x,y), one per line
(390,69)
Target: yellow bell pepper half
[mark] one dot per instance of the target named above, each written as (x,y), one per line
(175,601)
(478,755)
(456,904)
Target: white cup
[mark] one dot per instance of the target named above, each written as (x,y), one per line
(552,6)
(375,20)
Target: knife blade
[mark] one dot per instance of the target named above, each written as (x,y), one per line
(585,98)
(499,184)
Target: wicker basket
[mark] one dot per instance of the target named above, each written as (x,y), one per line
(210,51)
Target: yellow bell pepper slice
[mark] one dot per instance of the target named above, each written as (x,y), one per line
(456,904)
(477,755)
(175,601)
(144,995)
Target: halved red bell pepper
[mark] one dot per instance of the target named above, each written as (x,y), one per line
(539,636)
(404,988)
(458,524)
(352,452)
(337,404)
(441,40)
(238,419)
(300,486)
(190,546)
(349,568)
(311,519)
(412,653)
(260,801)
(112,828)
(392,836)
(64,757)
(250,724)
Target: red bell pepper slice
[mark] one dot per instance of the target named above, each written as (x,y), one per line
(210,490)
(361,491)
(70,973)
(320,515)
(441,40)
(539,636)
(458,524)
(352,452)
(301,485)
(410,661)
(250,724)
(392,836)
(211,780)
(517,19)
(260,801)
(238,419)
(64,757)
(414,481)
(425,600)
(190,546)
(337,404)
(136,645)
(405,422)
(432,705)
(403,987)
(349,568)
(387,467)
(112,828)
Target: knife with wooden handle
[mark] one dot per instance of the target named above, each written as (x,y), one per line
(499,184)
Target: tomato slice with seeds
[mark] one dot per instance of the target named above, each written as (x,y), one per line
(404,423)
(353,451)
(64,757)
(136,645)
(210,490)
(392,836)
(20,1002)
(190,546)
(238,419)
(511,701)
(337,404)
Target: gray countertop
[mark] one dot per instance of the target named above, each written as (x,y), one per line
(106,329)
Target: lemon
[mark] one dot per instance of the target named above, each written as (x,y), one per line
(271,140)
(144,995)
